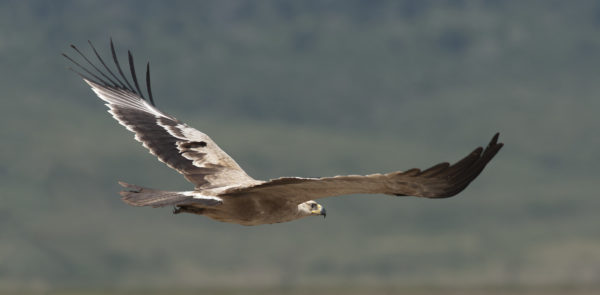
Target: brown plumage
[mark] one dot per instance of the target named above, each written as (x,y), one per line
(223,191)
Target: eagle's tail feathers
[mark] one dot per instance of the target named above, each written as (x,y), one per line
(141,196)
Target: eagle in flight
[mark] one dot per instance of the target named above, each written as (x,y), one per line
(223,191)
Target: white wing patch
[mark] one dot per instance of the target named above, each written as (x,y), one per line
(200,196)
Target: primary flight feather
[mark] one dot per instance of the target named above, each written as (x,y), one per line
(223,191)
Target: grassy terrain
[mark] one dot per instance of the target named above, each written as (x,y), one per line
(350,291)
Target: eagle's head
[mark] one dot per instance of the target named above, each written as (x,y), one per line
(311,208)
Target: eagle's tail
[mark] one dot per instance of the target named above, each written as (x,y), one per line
(141,196)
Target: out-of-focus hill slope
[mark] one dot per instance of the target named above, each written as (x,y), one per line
(312,89)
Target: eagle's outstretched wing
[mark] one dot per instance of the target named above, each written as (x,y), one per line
(183,148)
(440,181)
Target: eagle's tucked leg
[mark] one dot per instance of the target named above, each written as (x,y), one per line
(187,209)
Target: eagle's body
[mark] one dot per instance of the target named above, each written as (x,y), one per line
(223,191)
(215,203)
(247,211)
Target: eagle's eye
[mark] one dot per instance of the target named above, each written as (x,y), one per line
(313,206)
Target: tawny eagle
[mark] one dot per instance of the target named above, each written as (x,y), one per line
(223,191)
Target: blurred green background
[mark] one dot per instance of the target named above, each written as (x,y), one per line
(308,88)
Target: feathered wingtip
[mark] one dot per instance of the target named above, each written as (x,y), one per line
(452,179)
(108,77)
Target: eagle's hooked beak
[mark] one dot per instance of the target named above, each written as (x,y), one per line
(320,211)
